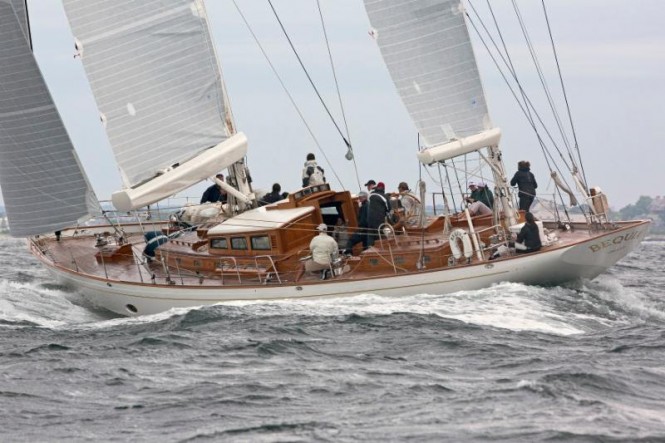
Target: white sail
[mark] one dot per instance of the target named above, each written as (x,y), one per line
(153,71)
(426,47)
(43,186)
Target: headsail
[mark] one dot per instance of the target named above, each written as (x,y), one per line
(43,186)
(427,49)
(153,71)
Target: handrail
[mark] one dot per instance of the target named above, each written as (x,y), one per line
(235,265)
(272,263)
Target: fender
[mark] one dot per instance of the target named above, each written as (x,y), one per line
(455,236)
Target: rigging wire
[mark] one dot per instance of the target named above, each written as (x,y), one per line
(565,95)
(459,185)
(547,155)
(302,65)
(421,216)
(339,97)
(511,68)
(508,60)
(543,82)
(529,103)
(293,102)
(450,185)
(541,77)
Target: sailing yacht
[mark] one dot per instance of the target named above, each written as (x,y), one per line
(153,70)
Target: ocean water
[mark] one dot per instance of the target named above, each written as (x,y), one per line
(585,362)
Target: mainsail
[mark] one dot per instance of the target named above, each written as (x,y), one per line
(43,186)
(427,49)
(154,73)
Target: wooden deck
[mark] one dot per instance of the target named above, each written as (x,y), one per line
(81,254)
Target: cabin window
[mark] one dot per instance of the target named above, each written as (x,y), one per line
(261,243)
(239,243)
(219,243)
(331,213)
(329,210)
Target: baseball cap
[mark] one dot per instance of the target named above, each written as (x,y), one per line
(381,185)
(370,182)
(322,227)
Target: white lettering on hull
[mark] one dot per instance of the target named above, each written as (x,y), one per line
(616,243)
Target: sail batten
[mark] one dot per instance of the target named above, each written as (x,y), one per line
(43,186)
(427,50)
(154,74)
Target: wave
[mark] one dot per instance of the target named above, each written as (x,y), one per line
(29,304)
(582,308)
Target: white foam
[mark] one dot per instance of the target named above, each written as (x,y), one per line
(143,319)
(629,299)
(507,305)
(28,302)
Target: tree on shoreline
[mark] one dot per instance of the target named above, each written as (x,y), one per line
(641,207)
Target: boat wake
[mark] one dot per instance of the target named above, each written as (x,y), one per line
(43,305)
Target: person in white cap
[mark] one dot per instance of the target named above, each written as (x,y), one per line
(324,249)
(480,193)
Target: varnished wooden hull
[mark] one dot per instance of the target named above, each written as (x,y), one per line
(585,258)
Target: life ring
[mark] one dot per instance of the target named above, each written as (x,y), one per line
(453,239)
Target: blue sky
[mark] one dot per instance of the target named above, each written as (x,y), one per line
(611,54)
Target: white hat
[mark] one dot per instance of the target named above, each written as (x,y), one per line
(322,227)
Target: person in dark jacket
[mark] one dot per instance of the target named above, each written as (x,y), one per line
(528,240)
(273,196)
(214,193)
(361,233)
(480,193)
(377,212)
(526,183)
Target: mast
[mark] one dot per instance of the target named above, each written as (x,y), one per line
(501,184)
(238,173)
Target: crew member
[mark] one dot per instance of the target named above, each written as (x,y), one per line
(324,249)
(528,240)
(526,183)
(214,193)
